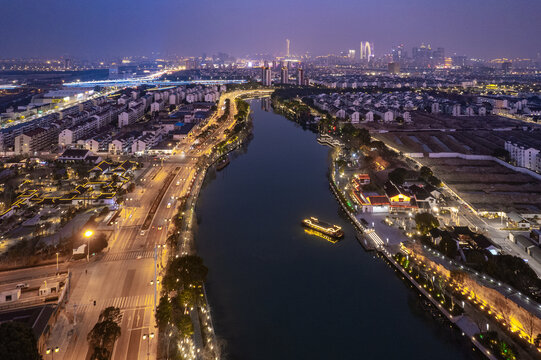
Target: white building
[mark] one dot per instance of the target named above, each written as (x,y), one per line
(131,115)
(523,155)
(116,147)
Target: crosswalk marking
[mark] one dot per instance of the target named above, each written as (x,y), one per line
(128,255)
(122,302)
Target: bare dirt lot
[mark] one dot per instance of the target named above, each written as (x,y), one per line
(426,121)
(479,142)
(487,185)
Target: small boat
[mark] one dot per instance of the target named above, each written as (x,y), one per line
(223,162)
(323,227)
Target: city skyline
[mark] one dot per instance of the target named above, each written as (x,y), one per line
(104,29)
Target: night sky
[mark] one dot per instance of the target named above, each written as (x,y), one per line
(96,28)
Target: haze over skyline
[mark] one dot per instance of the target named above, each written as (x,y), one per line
(100,28)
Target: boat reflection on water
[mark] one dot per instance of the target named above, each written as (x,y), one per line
(321,235)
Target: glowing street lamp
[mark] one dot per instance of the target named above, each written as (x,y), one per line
(88,234)
(52,351)
(145,337)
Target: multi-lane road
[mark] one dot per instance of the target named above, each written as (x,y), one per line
(123,276)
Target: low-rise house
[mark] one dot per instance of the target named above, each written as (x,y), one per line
(75,155)
(517,221)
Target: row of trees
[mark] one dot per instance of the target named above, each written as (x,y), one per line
(226,111)
(182,290)
(399,175)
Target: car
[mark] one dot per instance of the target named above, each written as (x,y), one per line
(142,232)
(21,286)
(168,205)
(159,228)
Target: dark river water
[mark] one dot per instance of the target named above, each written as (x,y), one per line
(279,293)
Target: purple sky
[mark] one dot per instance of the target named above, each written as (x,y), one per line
(94,28)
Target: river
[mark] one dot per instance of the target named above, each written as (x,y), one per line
(279,293)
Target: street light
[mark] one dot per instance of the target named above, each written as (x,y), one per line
(57,263)
(145,337)
(52,351)
(88,234)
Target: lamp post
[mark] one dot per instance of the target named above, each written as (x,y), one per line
(88,234)
(148,337)
(168,340)
(57,263)
(52,351)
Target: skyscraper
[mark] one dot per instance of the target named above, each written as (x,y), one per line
(287,47)
(266,76)
(285,76)
(366,51)
(300,76)
(399,53)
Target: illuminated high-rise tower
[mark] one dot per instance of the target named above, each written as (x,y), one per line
(300,76)
(366,51)
(287,47)
(266,75)
(285,76)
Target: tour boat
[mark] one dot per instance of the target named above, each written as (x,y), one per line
(323,227)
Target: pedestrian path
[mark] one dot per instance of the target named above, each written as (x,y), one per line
(122,302)
(128,255)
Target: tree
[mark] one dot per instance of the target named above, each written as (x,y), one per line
(103,335)
(425,172)
(448,246)
(172,239)
(185,325)
(100,353)
(164,311)
(364,136)
(104,211)
(131,187)
(9,195)
(110,313)
(434,181)
(98,243)
(189,270)
(398,176)
(187,297)
(502,154)
(17,342)
(426,222)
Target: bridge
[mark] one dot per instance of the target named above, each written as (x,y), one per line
(151,82)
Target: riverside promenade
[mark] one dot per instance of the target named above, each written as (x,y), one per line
(389,248)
